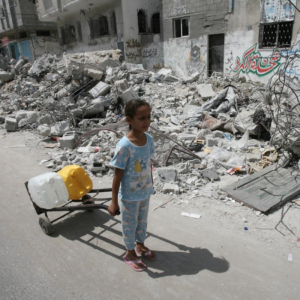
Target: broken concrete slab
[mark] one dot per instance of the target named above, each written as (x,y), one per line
(92,73)
(210,174)
(11,124)
(171,188)
(266,189)
(122,84)
(95,108)
(128,95)
(30,116)
(167,175)
(205,91)
(194,77)
(171,78)
(99,60)
(164,72)
(60,128)
(44,130)
(101,89)
(6,77)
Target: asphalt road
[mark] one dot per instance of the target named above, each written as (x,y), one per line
(197,258)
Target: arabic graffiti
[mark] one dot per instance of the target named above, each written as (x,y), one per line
(150,53)
(133,44)
(134,55)
(253,62)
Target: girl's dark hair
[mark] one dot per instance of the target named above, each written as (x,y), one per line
(133,105)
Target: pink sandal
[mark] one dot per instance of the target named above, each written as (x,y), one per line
(149,254)
(136,265)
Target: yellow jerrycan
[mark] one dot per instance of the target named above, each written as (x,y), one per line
(77,181)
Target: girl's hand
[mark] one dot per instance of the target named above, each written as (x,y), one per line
(113,208)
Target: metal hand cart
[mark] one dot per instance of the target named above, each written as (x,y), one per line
(86,203)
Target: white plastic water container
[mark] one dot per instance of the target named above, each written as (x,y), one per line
(48,190)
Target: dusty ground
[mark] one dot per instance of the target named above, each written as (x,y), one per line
(208,258)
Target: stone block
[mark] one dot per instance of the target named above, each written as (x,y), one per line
(171,78)
(192,78)
(171,188)
(11,124)
(164,72)
(5,76)
(218,134)
(95,108)
(44,130)
(101,89)
(129,95)
(68,140)
(210,141)
(93,73)
(167,175)
(205,91)
(60,128)
(122,84)
(210,174)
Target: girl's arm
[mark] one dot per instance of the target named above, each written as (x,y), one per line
(114,206)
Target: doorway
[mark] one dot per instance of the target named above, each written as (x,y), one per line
(215,53)
(14,51)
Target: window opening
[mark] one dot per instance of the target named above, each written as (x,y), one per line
(155,23)
(142,21)
(43,33)
(23,35)
(181,27)
(99,27)
(276,35)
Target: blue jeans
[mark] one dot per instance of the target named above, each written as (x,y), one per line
(134,221)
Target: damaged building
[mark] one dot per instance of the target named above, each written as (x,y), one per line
(23,34)
(234,37)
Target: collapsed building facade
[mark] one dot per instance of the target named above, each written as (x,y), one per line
(234,37)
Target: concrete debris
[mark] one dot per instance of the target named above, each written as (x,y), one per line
(202,128)
(101,89)
(205,91)
(170,188)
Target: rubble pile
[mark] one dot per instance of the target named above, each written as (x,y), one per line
(204,131)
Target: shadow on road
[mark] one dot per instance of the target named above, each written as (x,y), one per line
(186,261)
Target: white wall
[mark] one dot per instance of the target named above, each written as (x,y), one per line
(97,44)
(132,38)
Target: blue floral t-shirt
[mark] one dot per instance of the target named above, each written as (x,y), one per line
(136,182)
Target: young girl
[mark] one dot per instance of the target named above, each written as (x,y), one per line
(133,171)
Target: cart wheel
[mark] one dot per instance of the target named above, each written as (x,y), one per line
(46,225)
(88,202)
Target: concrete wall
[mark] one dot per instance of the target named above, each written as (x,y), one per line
(242,44)
(96,44)
(47,44)
(186,55)
(133,41)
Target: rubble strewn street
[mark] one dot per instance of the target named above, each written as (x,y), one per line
(209,131)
